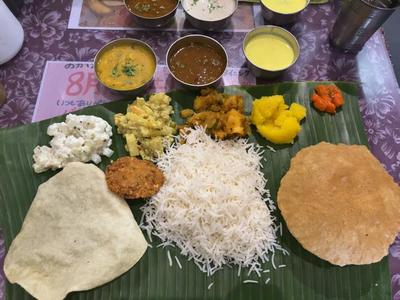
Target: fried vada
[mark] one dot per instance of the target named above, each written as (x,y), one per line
(133,178)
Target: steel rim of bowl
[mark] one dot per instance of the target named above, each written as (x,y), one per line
(155,18)
(190,84)
(286,14)
(131,40)
(247,37)
(208,21)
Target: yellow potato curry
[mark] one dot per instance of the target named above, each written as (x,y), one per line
(126,66)
(275,120)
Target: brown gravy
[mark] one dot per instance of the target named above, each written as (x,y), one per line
(151,8)
(197,63)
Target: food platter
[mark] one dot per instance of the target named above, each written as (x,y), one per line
(298,275)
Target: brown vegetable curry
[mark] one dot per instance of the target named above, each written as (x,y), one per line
(151,8)
(197,63)
(220,114)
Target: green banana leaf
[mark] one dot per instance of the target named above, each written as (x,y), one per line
(305,275)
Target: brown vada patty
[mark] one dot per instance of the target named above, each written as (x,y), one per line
(134,178)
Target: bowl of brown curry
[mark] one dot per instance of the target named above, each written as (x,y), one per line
(196,61)
(152,13)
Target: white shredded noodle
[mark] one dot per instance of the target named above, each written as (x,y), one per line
(250,281)
(214,205)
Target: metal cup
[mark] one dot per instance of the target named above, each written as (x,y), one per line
(357,22)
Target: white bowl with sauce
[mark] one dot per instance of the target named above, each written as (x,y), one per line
(209,14)
(270,50)
(282,12)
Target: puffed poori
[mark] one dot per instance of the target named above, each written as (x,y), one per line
(134,178)
(340,203)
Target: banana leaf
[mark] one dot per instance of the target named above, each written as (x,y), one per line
(305,275)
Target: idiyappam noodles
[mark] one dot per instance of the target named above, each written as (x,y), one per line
(214,205)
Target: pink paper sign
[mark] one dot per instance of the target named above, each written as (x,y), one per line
(71,86)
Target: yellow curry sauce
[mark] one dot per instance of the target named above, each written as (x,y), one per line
(126,66)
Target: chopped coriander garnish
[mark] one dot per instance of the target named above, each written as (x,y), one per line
(129,70)
(114,71)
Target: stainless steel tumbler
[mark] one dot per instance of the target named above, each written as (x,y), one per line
(358,20)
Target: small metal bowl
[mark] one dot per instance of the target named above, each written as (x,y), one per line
(186,41)
(277,18)
(117,42)
(208,25)
(270,29)
(153,22)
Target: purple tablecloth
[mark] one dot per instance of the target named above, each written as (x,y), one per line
(47,38)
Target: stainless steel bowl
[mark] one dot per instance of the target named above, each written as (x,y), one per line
(139,89)
(270,29)
(208,25)
(186,41)
(153,22)
(277,18)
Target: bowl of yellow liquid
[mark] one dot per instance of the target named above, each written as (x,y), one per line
(282,12)
(125,65)
(270,50)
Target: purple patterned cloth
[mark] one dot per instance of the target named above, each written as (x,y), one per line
(47,38)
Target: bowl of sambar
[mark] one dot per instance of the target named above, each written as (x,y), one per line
(125,65)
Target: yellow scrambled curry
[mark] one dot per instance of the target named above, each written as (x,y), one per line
(147,126)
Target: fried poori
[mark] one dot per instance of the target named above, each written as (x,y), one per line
(133,178)
(340,204)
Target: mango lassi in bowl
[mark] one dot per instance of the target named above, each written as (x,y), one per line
(281,12)
(270,50)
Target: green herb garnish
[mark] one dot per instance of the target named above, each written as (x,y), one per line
(114,71)
(129,70)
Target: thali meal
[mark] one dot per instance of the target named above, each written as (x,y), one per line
(340,204)
(275,120)
(147,126)
(77,235)
(133,178)
(210,10)
(125,64)
(220,114)
(327,97)
(284,6)
(79,138)
(151,8)
(214,205)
